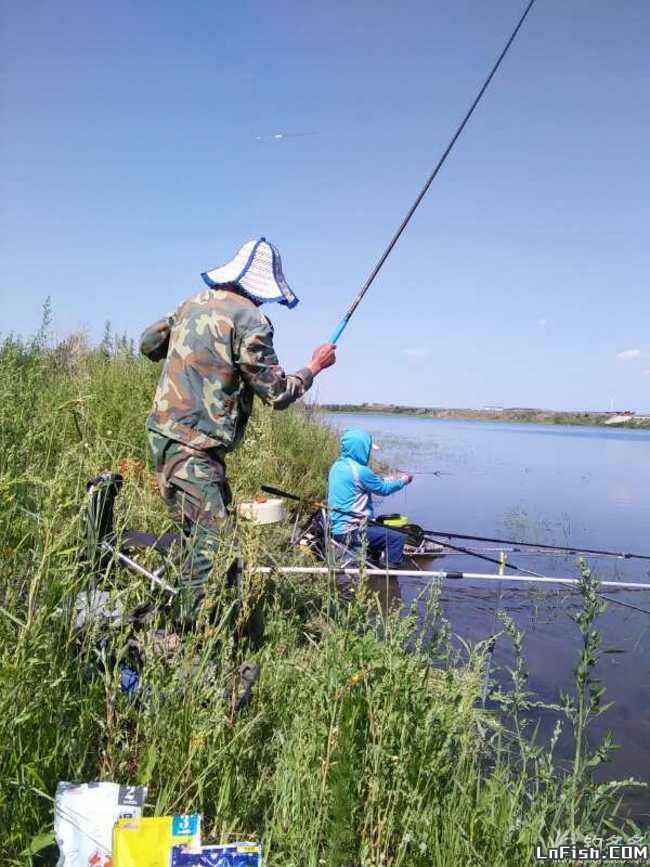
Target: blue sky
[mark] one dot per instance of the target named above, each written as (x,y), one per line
(130,162)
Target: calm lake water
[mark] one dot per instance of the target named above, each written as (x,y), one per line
(578,486)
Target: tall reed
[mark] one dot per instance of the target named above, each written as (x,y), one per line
(364,743)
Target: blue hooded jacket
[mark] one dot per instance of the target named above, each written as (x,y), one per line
(351,482)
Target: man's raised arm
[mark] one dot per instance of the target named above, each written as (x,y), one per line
(261,369)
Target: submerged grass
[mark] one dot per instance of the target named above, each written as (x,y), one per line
(355,749)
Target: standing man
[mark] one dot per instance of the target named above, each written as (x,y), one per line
(349,498)
(219,350)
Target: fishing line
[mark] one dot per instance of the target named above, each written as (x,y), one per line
(348,315)
(438,473)
(596,552)
(624,604)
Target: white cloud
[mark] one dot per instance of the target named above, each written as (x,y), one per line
(629,355)
(417,353)
(542,323)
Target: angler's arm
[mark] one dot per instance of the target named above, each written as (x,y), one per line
(377,485)
(261,369)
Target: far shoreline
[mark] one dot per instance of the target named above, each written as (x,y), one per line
(624,419)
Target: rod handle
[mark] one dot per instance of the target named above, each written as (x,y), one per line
(278,492)
(338,331)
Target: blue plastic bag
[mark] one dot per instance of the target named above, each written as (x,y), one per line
(224,855)
(129,682)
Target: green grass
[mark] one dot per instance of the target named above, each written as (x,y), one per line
(355,749)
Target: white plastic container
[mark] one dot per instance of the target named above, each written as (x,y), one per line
(270,511)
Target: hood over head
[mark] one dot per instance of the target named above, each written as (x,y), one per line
(356,443)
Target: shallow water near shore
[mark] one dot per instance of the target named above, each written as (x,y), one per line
(554,484)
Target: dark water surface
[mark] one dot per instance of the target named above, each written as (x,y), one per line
(578,486)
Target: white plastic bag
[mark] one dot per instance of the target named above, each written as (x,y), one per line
(84,816)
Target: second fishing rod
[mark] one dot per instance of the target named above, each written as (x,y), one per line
(501,562)
(440,535)
(278,492)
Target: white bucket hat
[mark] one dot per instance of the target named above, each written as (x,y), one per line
(257,270)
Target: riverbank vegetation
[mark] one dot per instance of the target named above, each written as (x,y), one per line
(521,415)
(365,741)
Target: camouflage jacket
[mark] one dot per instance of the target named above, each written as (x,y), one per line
(220,356)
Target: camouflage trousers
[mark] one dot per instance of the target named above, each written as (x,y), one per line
(196,492)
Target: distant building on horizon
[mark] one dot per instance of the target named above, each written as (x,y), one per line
(524,409)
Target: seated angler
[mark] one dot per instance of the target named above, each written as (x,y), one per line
(351,485)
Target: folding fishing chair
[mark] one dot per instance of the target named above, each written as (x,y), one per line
(315,536)
(103,544)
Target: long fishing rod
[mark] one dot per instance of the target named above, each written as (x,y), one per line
(346,318)
(457,549)
(596,552)
(530,575)
(436,535)
(531,552)
(278,492)
(456,576)
(524,574)
(536,576)
(445,575)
